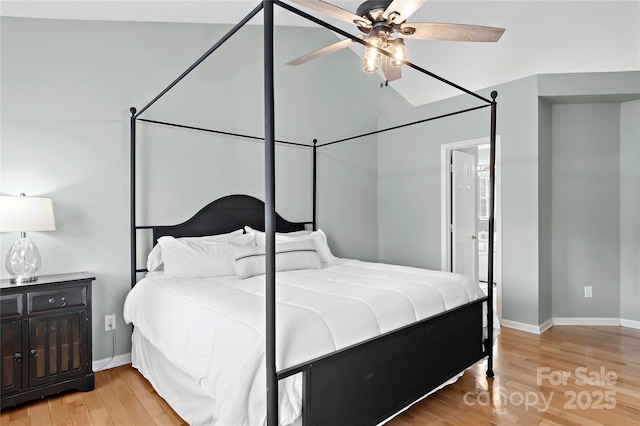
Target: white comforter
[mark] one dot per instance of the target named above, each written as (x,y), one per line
(213,329)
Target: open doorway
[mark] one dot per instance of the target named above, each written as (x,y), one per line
(465,213)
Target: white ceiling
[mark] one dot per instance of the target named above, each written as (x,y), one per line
(541,36)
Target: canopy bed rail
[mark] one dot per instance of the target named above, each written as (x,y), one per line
(397,384)
(219,132)
(425,120)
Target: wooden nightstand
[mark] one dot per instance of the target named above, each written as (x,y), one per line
(46,337)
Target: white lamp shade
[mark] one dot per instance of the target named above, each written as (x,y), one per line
(26,214)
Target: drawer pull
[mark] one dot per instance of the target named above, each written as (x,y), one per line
(34,353)
(17,356)
(53,301)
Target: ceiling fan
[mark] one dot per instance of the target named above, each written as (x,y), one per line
(383,24)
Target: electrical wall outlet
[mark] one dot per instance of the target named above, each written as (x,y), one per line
(588,291)
(109,322)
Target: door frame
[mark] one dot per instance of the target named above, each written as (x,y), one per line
(445,203)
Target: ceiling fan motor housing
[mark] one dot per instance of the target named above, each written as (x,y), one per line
(373,11)
(380,30)
(372,6)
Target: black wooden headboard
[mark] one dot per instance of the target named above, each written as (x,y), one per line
(223,215)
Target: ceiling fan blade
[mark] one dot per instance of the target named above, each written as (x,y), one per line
(322,52)
(403,8)
(389,71)
(450,32)
(333,11)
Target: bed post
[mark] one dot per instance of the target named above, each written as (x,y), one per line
(315,184)
(492,190)
(132,193)
(270,217)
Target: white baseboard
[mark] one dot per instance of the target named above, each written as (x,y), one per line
(539,329)
(630,323)
(546,325)
(117,361)
(610,322)
(535,329)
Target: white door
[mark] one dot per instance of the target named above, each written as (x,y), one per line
(464,213)
(447,200)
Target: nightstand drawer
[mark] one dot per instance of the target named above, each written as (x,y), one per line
(45,301)
(11,305)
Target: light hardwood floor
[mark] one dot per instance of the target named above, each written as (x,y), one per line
(539,381)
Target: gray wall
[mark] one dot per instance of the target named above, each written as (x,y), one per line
(630,210)
(66,91)
(586,209)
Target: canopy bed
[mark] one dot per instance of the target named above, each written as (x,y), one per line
(361,379)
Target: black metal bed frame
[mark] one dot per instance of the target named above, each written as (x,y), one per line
(370,381)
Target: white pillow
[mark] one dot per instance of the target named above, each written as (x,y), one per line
(154,260)
(249,230)
(322,246)
(318,237)
(200,258)
(250,260)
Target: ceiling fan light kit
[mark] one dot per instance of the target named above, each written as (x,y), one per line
(378,20)
(370,64)
(399,52)
(372,55)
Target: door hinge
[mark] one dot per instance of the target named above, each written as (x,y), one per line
(451,227)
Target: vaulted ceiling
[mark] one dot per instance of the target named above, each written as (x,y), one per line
(541,37)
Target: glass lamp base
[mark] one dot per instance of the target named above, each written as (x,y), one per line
(23,260)
(23,279)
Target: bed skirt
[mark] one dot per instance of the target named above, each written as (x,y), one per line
(184,396)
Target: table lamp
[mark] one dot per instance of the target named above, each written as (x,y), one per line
(25,214)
